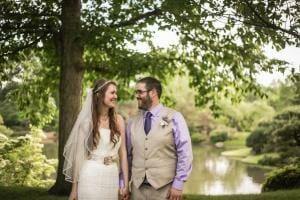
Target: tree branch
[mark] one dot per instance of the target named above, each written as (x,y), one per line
(92,67)
(269,24)
(136,19)
(14,51)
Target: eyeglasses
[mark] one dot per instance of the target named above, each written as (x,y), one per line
(139,92)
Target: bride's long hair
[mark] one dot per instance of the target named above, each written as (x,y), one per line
(99,91)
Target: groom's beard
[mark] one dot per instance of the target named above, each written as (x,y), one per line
(144,103)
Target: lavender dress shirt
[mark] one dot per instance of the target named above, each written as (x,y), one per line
(182,143)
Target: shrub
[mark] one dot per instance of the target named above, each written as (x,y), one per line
(196,137)
(285,178)
(270,160)
(218,137)
(3,129)
(22,162)
(257,139)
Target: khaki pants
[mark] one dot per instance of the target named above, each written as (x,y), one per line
(147,192)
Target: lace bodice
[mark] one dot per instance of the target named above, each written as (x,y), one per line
(105,146)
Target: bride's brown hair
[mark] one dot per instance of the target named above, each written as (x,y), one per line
(98,101)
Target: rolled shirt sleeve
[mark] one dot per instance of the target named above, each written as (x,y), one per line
(184,151)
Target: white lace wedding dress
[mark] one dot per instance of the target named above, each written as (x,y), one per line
(98,181)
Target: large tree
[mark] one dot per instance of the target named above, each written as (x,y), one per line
(220,45)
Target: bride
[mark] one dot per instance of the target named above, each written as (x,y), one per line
(96,142)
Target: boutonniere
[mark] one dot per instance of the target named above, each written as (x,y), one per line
(164,121)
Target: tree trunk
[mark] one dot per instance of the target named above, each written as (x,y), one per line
(70,89)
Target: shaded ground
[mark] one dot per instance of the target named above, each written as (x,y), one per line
(27,193)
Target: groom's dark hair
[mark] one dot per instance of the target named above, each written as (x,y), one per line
(152,83)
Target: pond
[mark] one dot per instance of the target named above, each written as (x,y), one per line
(214,174)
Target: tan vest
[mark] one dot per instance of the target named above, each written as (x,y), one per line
(153,155)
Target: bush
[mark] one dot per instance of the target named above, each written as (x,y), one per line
(3,129)
(22,162)
(257,140)
(218,137)
(286,178)
(291,156)
(196,137)
(270,160)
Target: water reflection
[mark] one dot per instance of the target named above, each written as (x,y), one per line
(214,174)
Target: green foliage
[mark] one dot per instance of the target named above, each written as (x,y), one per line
(237,140)
(34,96)
(216,57)
(296,81)
(196,137)
(270,160)
(22,162)
(287,131)
(216,136)
(3,129)
(281,95)
(198,119)
(257,139)
(281,135)
(9,109)
(245,115)
(284,94)
(285,178)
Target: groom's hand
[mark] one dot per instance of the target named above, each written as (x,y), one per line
(174,194)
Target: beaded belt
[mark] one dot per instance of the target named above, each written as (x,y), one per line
(106,160)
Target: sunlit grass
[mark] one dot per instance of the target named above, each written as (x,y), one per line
(244,155)
(244,152)
(238,150)
(253,159)
(237,141)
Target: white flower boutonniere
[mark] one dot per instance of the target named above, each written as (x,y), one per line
(164,122)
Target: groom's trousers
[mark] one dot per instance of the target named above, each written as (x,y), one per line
(147,192)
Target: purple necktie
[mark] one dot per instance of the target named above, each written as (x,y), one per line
(147,125)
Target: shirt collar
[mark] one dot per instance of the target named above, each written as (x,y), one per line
(155,111)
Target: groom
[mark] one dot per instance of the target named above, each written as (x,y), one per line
(159,146)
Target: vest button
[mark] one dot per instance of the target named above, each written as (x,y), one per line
(146,158)
(146,149)
(146,138)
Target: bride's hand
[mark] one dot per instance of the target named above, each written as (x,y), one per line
(124,192)
(73,195)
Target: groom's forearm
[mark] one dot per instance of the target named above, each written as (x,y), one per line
(129,148)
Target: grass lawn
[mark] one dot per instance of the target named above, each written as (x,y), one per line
(245,156)
(237,149)
(237,141)
(237,153)
(27,193)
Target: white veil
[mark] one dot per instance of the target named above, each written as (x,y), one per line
(78,145)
